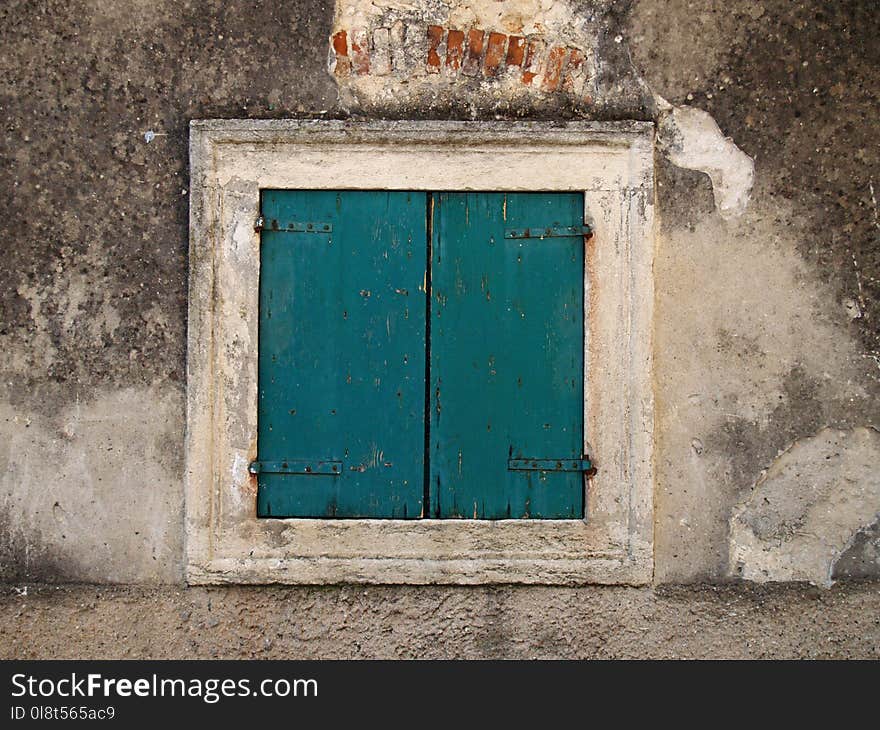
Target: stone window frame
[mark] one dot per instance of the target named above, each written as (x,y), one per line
(230,162)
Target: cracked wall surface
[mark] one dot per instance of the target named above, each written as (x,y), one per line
(766,273)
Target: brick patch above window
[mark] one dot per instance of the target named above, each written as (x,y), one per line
(456,55)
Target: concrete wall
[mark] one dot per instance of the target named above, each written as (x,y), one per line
(437,622)
(767,346)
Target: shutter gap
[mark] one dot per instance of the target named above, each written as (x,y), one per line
(429,242)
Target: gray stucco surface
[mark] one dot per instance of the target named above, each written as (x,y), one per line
(766,325)
(503,622)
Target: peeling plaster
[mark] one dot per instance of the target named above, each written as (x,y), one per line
(735,371)
(808,509)
(380,56)
(692,139)
(398,58)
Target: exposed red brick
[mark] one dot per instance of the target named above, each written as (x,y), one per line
(574,71)
(454,48)
(435,38)
(360,52)
(339,41)
(516,50)
(474,52)
(553,69)
(495,49)
(533,60)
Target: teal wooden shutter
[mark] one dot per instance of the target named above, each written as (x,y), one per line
(342,389)
(506,355)
(341,354)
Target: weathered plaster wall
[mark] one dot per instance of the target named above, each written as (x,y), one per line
(96,99)
(767,325)
(766,329)
(436,622)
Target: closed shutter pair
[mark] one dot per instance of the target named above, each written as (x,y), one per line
(421,355)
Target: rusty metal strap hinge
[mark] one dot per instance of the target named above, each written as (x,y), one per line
(549,232)
(303,467)
(584,465)
(273,224)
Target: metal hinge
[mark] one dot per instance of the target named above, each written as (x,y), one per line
(297,466)
(584,465)
(550,232)
(274,224)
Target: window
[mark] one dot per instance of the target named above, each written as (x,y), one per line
(401,385)
(500,302)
